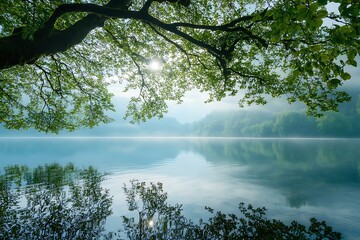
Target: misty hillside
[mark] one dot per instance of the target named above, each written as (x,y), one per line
(345,123)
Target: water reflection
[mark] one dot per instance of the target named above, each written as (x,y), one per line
(36,205)
(299,169)
(104,153)
(294,179)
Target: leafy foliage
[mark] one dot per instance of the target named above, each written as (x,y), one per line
(56,56)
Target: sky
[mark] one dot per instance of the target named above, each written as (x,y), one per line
(193,107)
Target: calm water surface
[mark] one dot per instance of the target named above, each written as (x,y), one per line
(295,179)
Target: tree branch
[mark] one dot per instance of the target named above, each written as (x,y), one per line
(146,6)
(47,41)
(172,42)
(168,27)
(89,8)
(224,27)
(14,50)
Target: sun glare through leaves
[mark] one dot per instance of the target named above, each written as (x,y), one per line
(155,65)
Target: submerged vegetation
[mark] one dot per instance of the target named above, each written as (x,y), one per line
(55,201)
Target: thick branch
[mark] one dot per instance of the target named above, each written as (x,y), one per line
(146,6)
(47,41)
(168,27)
(229,27)
(14,50)
(224,27)
(89,8)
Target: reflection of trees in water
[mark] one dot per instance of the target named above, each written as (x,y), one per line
(156,219)
(35,204)
(298,168)
(280,151)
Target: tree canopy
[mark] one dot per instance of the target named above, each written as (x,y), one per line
(56,57)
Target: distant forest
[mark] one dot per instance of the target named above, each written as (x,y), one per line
(345,123)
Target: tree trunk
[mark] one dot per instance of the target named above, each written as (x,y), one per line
(14,50)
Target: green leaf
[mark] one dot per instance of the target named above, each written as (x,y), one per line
(351,54)
(345,76)
(346,29)
(302,11)
(324,57)
(354,10)
(333,83)
(352,62)
(275,38)
(316,48)
(322,2)
(317,23)
(322,13)
(308,68)
(314,6)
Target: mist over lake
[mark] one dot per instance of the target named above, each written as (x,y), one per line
(295,179)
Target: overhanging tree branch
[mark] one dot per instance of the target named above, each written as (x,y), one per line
(181,49)
(14,50)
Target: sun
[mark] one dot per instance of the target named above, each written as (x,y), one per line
(155,65)
(151,223)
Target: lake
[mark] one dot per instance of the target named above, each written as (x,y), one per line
(295,179)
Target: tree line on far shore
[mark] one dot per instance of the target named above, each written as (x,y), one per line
(345,123)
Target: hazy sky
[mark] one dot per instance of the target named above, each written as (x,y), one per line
(193,107)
